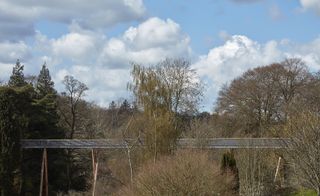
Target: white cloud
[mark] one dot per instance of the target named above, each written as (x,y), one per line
(151,41)
(105,68)
(104,64)
(313,5)
(11,51)
(148,43)
(236,55)
(240,53)
(77,46)
(309,52)
(5,71)
(21,15)
(74,46)
(105,85)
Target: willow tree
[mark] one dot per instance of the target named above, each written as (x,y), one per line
(165,91)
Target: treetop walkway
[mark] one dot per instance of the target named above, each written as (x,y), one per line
(212,143)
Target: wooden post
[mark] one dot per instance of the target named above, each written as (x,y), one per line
(94,170)
(41,178)
(277,170)
(44,173)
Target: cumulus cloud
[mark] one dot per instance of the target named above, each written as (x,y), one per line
(104,66)
(147,43)
(77,46)
(240,53)
(151,41)
(104,63)
(11,51)
(313,5)
(105,85)
(21,15)
(5,71)
(309,52)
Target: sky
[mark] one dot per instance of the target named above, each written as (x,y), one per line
(95,41)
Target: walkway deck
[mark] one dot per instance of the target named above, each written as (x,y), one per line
(213,143)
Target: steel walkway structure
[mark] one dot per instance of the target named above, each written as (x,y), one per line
(94,144)
(213,143)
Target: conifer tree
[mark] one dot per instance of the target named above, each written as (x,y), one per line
(125,106)
(43,123)
(44,84)
(17,78)
(13,103)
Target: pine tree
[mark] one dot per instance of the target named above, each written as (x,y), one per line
(44,84)
(17,78)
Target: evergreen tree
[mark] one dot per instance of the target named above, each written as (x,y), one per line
(112,106)
(125,106)
(17,78)
(44,84)
(43,124)
(12,123)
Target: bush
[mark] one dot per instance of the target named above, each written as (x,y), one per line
(186,173)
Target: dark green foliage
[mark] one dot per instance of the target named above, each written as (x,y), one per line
(228,164)
(125,107)
(43,123)
(12,124)
(17,78)
(44,84)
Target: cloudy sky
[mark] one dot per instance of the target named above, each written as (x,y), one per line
(96,40)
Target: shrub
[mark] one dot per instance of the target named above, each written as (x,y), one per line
(186,173)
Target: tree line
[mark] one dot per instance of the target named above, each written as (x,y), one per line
(276,100)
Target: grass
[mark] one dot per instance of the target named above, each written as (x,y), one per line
(305,192)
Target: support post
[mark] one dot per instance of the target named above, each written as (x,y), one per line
(94,170)
(44,174)
(277,170)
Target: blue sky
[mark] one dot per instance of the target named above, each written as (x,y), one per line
(96,41)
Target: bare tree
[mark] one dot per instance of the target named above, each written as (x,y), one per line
(74,92)
(68,106)
(131,140)
(260,97)
(303,148)
(256,170)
